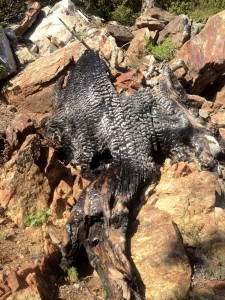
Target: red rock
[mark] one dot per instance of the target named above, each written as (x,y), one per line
(20,126)
(52,252)
(31,91)
(63,195)
(177,31)
(197,101)
(159,255)
(30,16)
(23,187)
(219,118)
(204,55)
(27,268)
(13,281)
(138,44)
(129,82)
(5,291)
(154,18)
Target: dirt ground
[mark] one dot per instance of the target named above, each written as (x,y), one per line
(21,245)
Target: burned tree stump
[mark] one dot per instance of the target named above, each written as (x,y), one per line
(118,140)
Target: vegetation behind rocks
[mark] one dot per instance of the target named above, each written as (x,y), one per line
(123,11)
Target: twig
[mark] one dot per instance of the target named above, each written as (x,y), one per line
(76,35)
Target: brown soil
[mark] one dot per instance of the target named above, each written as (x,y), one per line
(21,245)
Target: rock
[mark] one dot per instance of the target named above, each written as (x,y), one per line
(52,28)
(7,61)
(62,198)
(121,33)
(29,18)
(154,18)
(19,128)
(178,31)
(110,51)
(27,268)
(222,133)
(23,187)
(204,55)
(196,101)
(24,55)
(13,281)
(216,92)
(129,82)
(190,197)
(159,255)
(138,44)
(219,118)
(31,91)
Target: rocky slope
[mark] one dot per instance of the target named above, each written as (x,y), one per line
(177,242)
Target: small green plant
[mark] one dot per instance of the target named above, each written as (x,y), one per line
(39,218)
(72,275)
(3,235)
(164,51)
(104,294)
(2,68)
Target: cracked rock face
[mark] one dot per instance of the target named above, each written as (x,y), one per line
(119,140)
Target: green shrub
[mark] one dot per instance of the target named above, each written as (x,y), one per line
(198,10)
(72,275)
(39,218)
(164,51)
(124,15)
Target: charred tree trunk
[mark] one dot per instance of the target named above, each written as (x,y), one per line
(99,222)
(129,135)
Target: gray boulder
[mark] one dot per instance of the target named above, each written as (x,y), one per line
(7,61)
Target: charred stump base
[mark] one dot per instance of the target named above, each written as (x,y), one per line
(99,222)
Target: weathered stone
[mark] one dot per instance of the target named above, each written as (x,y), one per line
(19,128)
(25,56)
(31,91)
(159,255)
(196,101)
(121,33)
(154,18)
(13,281)
(30,17)
(63,195)
(129,82)
(222,133)
(27,268)
(219,118)
(7,62)
(109,50)
(23,187)
(178,31)
(204,55)
(138,44)
(52,28)
(190,197)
